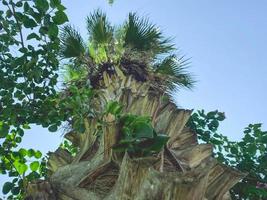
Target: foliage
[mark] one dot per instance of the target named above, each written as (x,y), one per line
(99,28)
(176,69)
(72,43)
(23,166)
(141,35)
(137,136)
(29,46)
(73,105)
(136,42)
(110,2)
(67,145)
(247,155)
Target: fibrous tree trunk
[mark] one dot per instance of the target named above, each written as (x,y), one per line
(183,170)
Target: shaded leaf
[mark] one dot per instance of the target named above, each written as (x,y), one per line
(53,128)
(60,17)
(142,130)
(7,187)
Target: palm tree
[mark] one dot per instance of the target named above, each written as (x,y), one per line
(138,47)
(122,154)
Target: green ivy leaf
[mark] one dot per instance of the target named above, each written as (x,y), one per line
(158,142)
(18,139)
(4,129)
(42,5)
(21,167)
(53,31)
(33,36)
(52,128)
(114,108)
(26,126)
(234,150)
(60,18)
(26,7)
(142,130)
(34,166)
(23,152)
(55,3)
(19,4)
(30,152)
(211,115)
(29,22)
(7,187)
(252,149)
(37,154)
(15,190)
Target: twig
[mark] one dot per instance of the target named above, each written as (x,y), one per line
(17,21)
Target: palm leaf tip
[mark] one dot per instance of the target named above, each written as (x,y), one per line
(110,2)
(176,71)
(99,28)
(72,44)
(142,35)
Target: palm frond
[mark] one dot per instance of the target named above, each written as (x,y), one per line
(72,44)
(110,2)
(142,35)
(176,71)
(99,28)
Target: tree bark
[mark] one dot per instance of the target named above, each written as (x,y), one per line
(183,170)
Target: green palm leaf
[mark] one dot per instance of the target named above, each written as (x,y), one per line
(175,69)
(72,44)
(141,35)
(99,28)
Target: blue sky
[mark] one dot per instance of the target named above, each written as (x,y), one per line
(226,41)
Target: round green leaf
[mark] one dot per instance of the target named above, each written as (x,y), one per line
(53,128)
(31,152)
(37,154)
(18,139)
(7,187)
(19,4)
(15,190)
(34,166)
(4,129)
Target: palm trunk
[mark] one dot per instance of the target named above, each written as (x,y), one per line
(184,169)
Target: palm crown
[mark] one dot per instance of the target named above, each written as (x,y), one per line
(138,47)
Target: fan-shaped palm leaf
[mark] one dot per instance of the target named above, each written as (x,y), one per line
(72,44)
(175,69)
(99,28)
(141,35)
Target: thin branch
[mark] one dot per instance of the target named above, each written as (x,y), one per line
(12,9)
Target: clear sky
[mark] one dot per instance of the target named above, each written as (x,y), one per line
(226,41)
